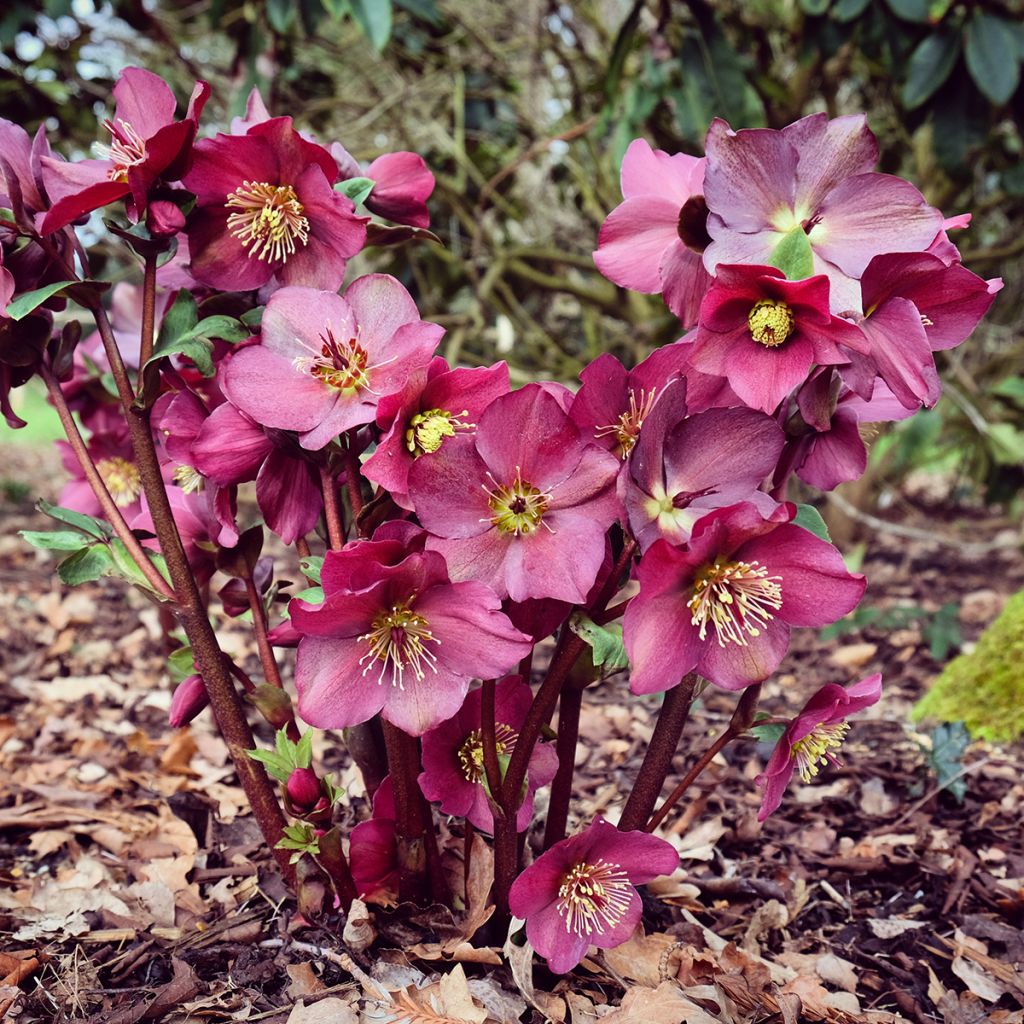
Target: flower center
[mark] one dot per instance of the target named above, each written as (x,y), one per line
(122,480)
(593,897)
(127,149)
(398,638)
(815,749)
(342,365)
(189,479)
(626,429)
(427,430)
(770,322)
(269,220)
(518,508)
(471,753)
(692,227)
(737,598)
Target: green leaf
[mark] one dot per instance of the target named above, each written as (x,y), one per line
(25,304)
(85,565)
(1011,388)
(793,255)
(280,14)
(125,566)
(848,10)
(87,524)
(769,732)
(183,333)
(357,189)
(374,18)
(809,518)
(181,664)
(909,10)
(312,595)
(253,317)
(54,540)
(311,568)
(1006,443)
(942,631)
(337,9)
(276,765)
(993,58)
(929,66)
(949,741)
(814,7)
(604,641)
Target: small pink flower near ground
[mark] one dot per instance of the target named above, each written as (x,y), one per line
(582,892)
(811,737)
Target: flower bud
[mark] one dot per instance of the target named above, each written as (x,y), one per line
(164,218)
(304,788)
(189,699)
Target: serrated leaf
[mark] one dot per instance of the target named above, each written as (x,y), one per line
(357,189)
(303,750)
(608,650)
(793,255)
(89,525)
(993,58)
(949,742)
(53,540)
(929,66)
(374,18)
(279,767)
(809,518)
(85,565)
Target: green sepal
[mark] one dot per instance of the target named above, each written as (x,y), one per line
(357,189)
(793,255)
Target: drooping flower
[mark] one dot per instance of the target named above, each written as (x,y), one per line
(147,145)
(437,404)
(373,849)
(453,758)
(265,208)
(915,305)
(724,604)
(684,466)
(402,184)
(324,362)
(613,402)
(812,184)
(582,892)
(764,333)
(654,240)
(812,736)
(523,504)
(394,635)
(188,700)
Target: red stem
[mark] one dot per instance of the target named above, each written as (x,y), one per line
(569,706)
(332,510)
(353,475)
(148,310)
(110,510)
(411,815)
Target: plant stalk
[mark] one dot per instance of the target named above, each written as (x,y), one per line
(569,706)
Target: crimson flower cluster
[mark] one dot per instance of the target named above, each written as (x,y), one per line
(463,521)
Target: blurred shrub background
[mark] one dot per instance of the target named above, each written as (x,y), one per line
(523,111)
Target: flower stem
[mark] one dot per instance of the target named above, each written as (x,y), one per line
(332,859)
(658,760)
(352,477)
(332,510)
(742,718)
(489,739)
(110,510)
(569,705)
(148,310)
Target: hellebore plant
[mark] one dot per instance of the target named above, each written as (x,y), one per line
(447,525)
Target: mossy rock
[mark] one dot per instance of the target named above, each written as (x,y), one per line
(984,689)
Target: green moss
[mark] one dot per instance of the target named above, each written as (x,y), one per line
(984,689)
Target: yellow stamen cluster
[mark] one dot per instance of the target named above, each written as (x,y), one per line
(189,479)
(815,748)
(737,599)
(122,480)
(593,897)
(269,221)
(398,639)
(127,149)
(428,430)
(471,753)
(518,508)
(627,428)
(770,322)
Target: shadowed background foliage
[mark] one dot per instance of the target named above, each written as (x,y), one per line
(523,112)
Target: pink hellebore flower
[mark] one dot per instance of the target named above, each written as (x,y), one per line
(402,184)
(764,333)
(265,207)
(724,604)
(811,737)
(324,362)
(582,892)
(453,756)
(915,305)
(436,404)
(654,240)
(684,466)
(394,635)
(373,849)
(147,145)
(815,177)
(523,504)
